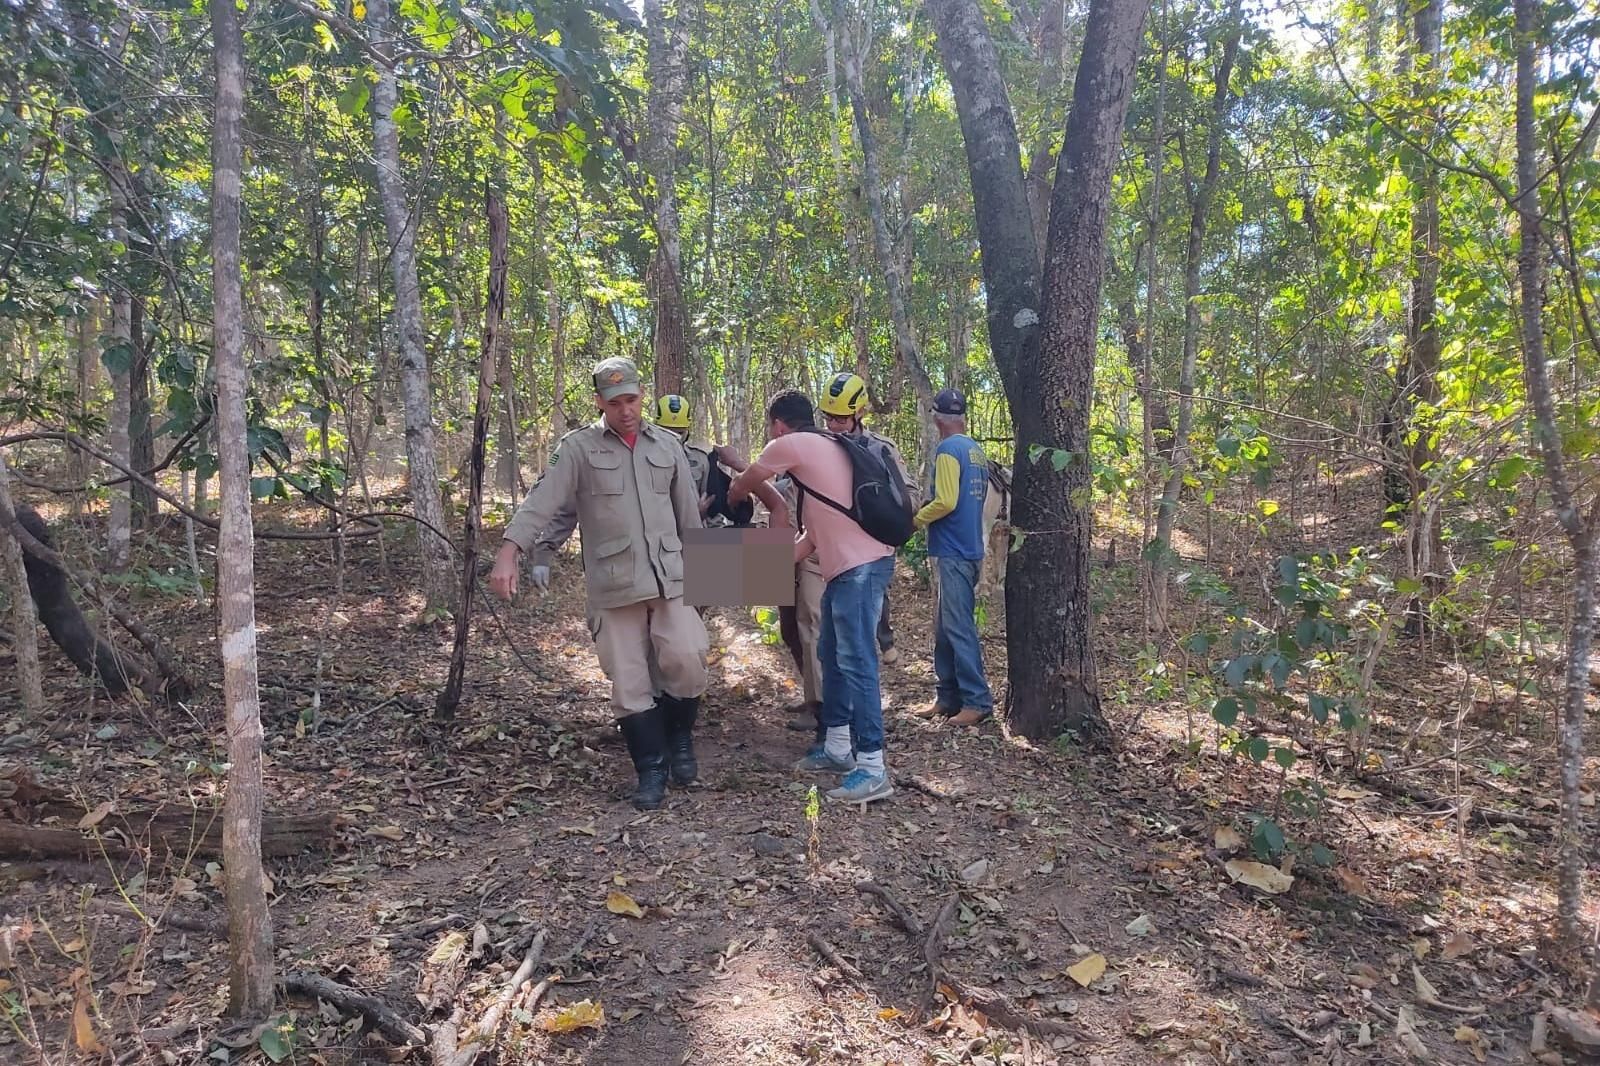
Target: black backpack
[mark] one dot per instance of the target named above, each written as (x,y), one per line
(881,503)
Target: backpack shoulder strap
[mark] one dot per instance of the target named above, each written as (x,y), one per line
(806,490)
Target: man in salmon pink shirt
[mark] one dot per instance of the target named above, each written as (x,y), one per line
(856,568)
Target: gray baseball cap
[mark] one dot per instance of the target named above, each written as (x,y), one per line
(616,377)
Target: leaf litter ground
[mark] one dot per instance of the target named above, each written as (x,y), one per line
(1067,907)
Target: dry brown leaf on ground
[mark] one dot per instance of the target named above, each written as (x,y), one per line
(1457,945)
(1259,875)
(1087,970)
(584,1014)
(1351,881)
(98,815)
(1466,1034)
(83,1034)
(1227,838)
(622,903)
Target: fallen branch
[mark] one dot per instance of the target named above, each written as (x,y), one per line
(446,1052)
(831,954)
(933,946)
(903,918)
(168,920)
(383,1018)
(996,1006)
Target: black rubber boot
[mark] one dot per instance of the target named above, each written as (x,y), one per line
(647,742)
(681,715)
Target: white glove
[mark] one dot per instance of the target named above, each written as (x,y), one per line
(540,576)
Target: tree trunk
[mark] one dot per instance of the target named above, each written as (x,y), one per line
(667,47)
(24,622)
(1417,385)
(117,355)
(1048,367)
(1052,71)
(508,465)
(249,924)
(1010,258)
(119,359)
(422,460)
(1152,411)
(1572,842)
(845,207)
(1199,216)
(87,355)
(908,358)
(488,359)
(141,443)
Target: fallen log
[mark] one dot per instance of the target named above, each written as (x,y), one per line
(180,835)
(44,823)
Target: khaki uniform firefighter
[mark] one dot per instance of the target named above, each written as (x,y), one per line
(628,486)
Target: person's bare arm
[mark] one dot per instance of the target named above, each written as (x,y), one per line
(746,483)
(730,458)
(772,499)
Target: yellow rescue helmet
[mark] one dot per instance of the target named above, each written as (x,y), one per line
(672,412)
(845,396)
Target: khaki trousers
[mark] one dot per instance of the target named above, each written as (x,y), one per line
(645,648)
(808,586)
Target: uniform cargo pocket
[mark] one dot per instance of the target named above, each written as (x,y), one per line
(613,563)
(661,470)
(606,477)
(671,558)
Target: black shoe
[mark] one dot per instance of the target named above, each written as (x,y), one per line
(646,736)
(680,718)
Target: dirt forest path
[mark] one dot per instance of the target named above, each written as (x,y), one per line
(1077,905)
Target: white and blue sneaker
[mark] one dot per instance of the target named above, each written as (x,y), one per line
(862,786)
(817,760)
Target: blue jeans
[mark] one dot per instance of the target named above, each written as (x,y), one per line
(851,604)
(957,655)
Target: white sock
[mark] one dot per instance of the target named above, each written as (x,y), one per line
(837,742)
(872,762)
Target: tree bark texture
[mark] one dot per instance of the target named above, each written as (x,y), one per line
(415,392)
(1200,201)
(1572,842)
(249,924)
(667,48)
(24,621)
(488,359)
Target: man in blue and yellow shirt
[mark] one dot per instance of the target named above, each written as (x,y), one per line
(954,521)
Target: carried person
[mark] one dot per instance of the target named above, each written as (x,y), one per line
(631,489)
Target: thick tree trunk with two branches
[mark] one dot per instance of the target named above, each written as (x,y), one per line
(1044,339)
